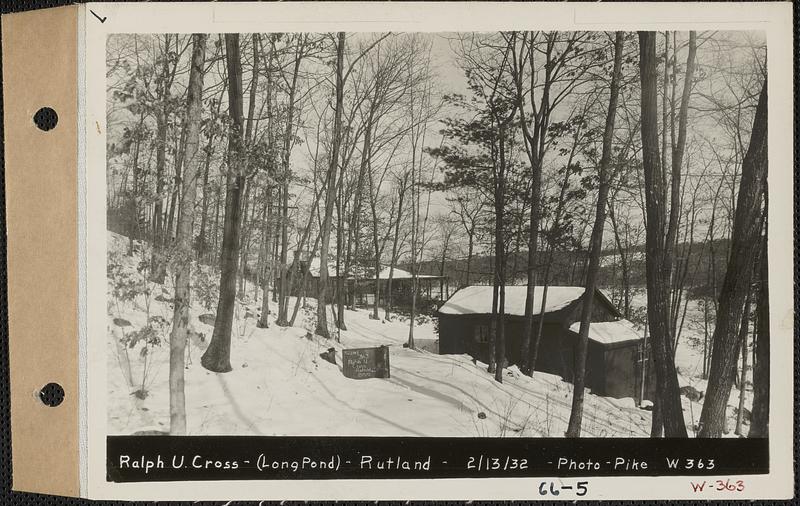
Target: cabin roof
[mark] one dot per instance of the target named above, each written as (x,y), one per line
(363,273)
(615,332)
(477,299)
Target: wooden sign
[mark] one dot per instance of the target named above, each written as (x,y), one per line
(362,363)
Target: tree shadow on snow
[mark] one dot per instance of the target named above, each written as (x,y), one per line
(237,410)
(366,412)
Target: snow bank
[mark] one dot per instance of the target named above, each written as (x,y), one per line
(478,299)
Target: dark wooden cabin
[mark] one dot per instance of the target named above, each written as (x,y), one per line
(360,289)
(614,357)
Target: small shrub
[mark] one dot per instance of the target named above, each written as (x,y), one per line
(205,288)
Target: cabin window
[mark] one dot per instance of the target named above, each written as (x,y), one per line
(481,333)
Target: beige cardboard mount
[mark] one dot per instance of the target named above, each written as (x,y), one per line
(40,50)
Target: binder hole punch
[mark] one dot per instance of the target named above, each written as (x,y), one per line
(52,394)
(45,118)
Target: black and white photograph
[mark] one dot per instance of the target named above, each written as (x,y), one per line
(400,251)
(536,234)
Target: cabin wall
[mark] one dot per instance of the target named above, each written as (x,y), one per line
(610,371)
(555,355)
(451,334)
(620,364)
(463,334)
(595,364)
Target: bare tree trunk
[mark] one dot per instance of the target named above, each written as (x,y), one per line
(283,306)
(492,366)
(395,245)
(294,269)
(217,356)
(266,272)
(330,193)
(657,420)
(158,214)
(657,267)
(376,250)
(158,262)
(470,249)
(274,252)
(180,320)
(536,337)
(743,331)
(341,276)
(759,419)
(533,240)
(744,245)
(623,255)
(355,218)
(414,234)
(244,244)
(217,201)
(445,245)
(678,148)
(305,283)
(202,241)
(500,257)
(133,202)
(284,270)
(596,246)
(705,338)
(167,233)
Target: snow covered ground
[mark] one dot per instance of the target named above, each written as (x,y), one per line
(281,386)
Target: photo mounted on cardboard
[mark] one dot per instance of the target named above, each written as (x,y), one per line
(392,243)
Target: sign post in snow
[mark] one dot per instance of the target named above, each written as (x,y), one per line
(362,363)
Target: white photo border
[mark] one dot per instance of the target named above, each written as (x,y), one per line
(774,18)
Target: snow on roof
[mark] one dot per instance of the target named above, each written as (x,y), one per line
(610,332)
(313,267)
(398,274)
(477,299)
(362,273)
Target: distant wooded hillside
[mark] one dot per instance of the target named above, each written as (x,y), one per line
(697,273)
